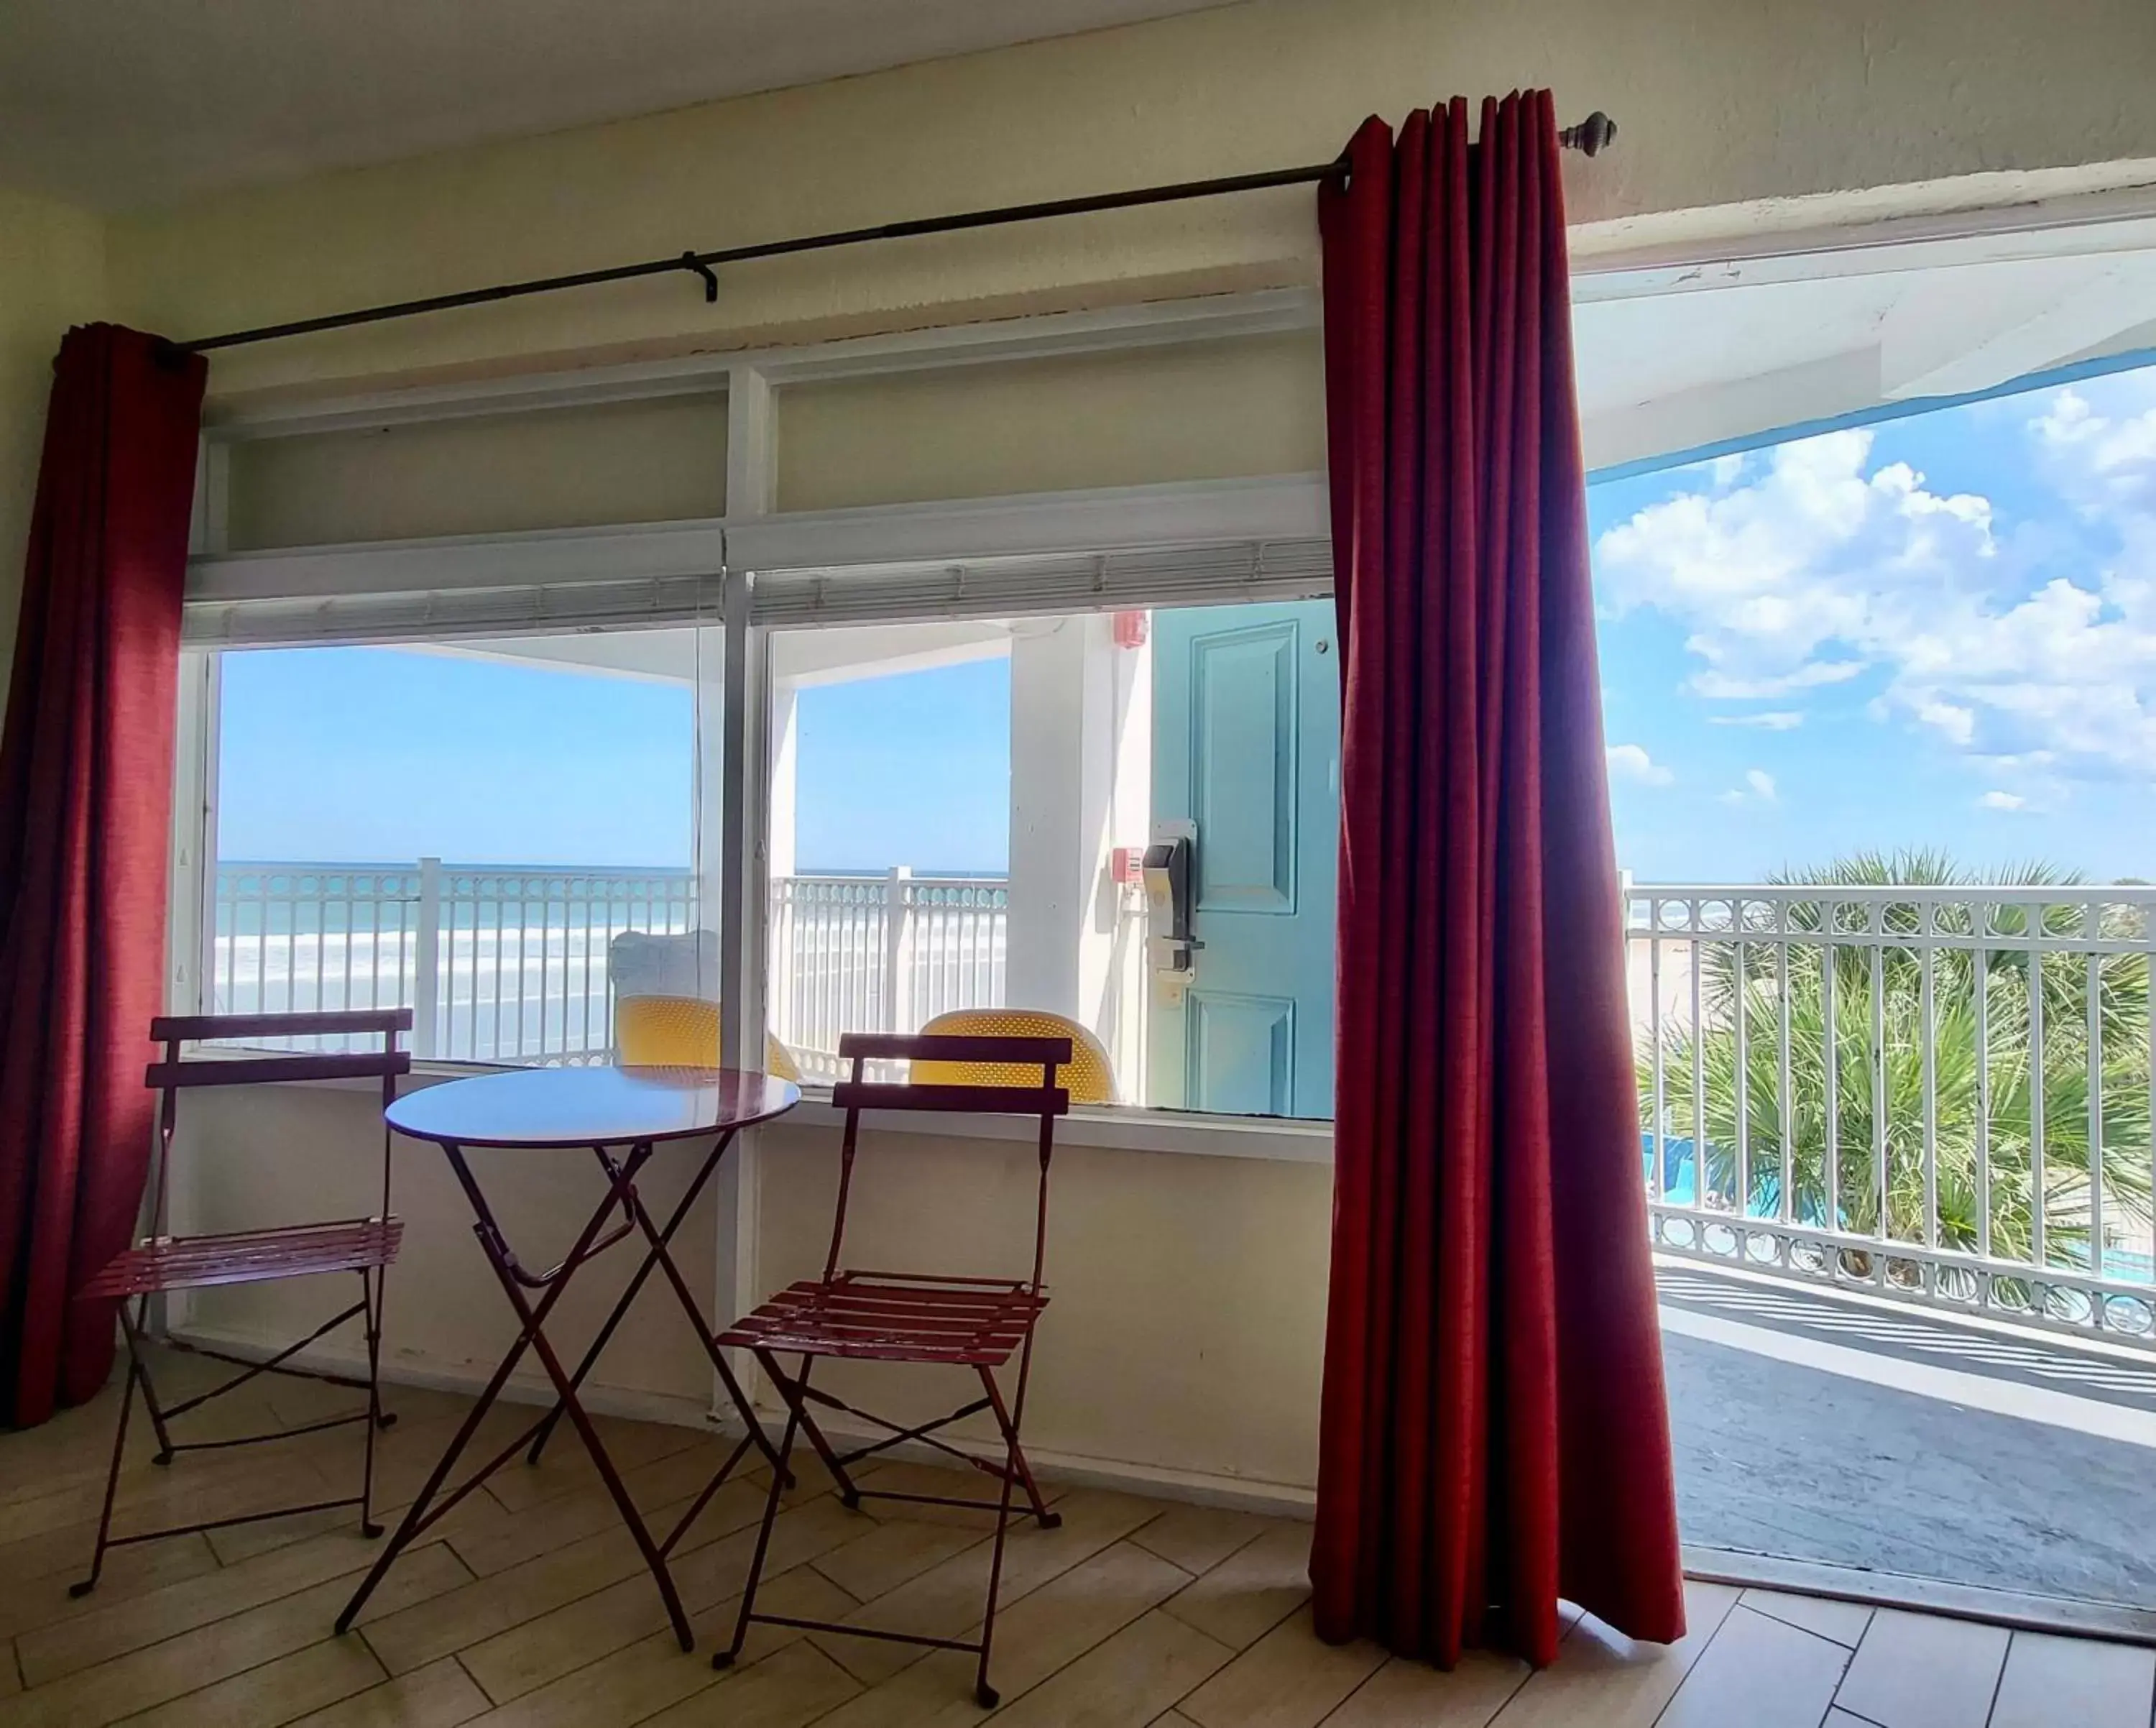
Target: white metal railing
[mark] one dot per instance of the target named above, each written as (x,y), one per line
(497,965)
(879,953)
(510,964)
(1942,1092)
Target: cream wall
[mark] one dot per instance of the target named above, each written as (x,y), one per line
(1186,1337)
(660,460)
(1185,1331)
(1203,411)
(52,275)
(1719,105)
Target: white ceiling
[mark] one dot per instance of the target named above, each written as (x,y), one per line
(1688,357)
(117,104)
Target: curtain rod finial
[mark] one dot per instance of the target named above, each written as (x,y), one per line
(1592,136)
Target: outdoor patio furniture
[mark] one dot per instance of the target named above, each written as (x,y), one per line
(663,1014)
(161,1263)
(537,1110)
(968,1322)
(1088,1076)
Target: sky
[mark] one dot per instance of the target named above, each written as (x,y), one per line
(1937,631)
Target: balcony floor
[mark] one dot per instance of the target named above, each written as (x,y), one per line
(1877,1437)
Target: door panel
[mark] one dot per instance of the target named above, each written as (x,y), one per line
(1243,767)
(1246,746)
(1240,1053)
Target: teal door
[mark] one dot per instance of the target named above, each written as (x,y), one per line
(1246,749)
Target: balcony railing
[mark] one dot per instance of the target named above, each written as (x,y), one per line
(1936,1092)
(510,965)
(498,965)
(879,954)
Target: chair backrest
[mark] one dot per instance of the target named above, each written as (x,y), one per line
(666,1004)
(1039,1098)
(640,963)
(170,1076)
(1088,1076)
(681,1032)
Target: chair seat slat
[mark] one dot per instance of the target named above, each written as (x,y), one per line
(246,1257)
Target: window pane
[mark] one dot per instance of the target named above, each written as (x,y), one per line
(500,836)
(960,810)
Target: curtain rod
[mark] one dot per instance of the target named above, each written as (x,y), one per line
(1590,137)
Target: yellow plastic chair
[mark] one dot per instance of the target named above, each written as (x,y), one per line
(681,1032)
(1086,1077)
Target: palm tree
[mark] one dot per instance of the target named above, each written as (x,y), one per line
(1983,1022)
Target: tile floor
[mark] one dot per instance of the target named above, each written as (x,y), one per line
(528,1606)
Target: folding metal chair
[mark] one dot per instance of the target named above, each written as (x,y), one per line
(968,1323)
(162,1263)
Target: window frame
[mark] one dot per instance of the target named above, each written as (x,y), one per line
(753,536)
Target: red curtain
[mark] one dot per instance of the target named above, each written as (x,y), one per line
(1493,1434)
(85,809)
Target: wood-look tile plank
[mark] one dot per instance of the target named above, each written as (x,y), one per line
(1288,1679)
(511,1599)
(1131,1679)
(796,1686)
(1761,1671)
(439,1695)
(1036,1636)
(27,1603)
(1413,1695)
(1841,1622)
(565,1466)
(1924,1671)
(115,1628)
(474,1513)
(2050,1680)
(147,1677)
(653,1673)
(1199,1538)
(708,1579)
(10,1672)
(881,1558)
(1252,1590)
(190,1490)
(908,1477)
(295,1399)
(1600,1676)
(666,1482)
(406,1457)
(274,1694)
(947,1601)
(405,1453)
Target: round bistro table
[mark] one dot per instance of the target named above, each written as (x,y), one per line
(552,1110)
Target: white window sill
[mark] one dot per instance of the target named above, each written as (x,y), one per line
(1112,1127)
(1121,1128)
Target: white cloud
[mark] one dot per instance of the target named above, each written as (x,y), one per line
(1717,685)
(1758,788)
(1809,567)
(1777,720)
(1995,801)
(1631,761)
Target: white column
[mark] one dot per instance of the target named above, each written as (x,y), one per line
(1064,730)
(780,800)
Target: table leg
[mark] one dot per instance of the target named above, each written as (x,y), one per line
(565,1389)
(661,1242)
(418,1516)
(707,1335)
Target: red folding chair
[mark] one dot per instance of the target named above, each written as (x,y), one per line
(968,1323)
(162,1263)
